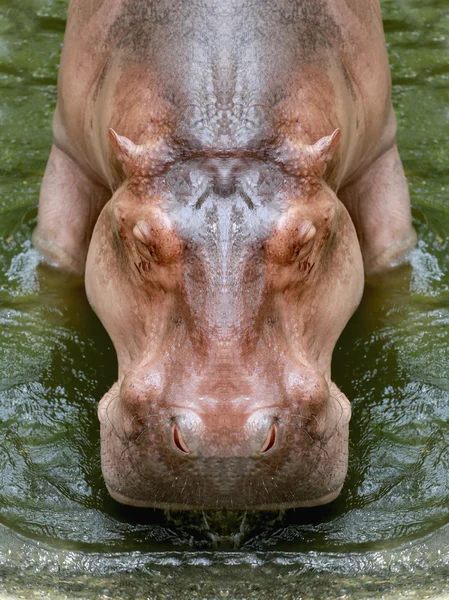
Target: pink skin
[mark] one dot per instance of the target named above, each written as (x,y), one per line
(224,258)
(200,394)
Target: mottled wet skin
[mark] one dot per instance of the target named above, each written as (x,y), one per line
(59,530)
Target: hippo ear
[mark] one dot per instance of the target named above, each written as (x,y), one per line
(126,151)
(322,152)
(144,160)
(309,161)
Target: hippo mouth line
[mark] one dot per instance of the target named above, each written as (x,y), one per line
(331,495)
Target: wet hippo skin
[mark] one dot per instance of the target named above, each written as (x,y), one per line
(224,173)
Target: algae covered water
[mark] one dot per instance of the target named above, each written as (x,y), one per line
(60,533)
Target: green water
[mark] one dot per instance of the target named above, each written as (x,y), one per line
(61,535)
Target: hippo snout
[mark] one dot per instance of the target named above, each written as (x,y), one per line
(243,452)
(223,434)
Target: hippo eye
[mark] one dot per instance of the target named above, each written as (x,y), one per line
(306,238)
(145,246)
(292,242)
(142,231)
(306,232)
(156,241)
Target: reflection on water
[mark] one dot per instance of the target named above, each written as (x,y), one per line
(60,531)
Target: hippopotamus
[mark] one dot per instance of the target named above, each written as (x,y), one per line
(224,174)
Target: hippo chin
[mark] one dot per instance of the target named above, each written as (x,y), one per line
(224,173)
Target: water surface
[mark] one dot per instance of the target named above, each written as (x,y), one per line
(61,534)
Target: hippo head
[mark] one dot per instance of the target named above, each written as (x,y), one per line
(224,280)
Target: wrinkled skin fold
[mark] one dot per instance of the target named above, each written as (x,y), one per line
(224,174)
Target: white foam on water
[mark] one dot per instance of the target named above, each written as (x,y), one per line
(427,273)
(23,270)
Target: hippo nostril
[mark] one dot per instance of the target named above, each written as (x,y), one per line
(270,440)
(178,440)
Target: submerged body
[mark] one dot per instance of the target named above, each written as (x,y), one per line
(223,231)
